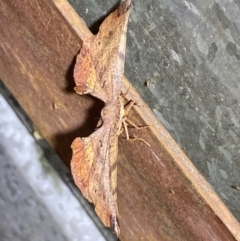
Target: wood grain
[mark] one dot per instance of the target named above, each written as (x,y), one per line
(161,196)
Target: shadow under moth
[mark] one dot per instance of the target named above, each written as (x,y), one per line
(98,71)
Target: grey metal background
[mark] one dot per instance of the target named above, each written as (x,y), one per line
(189,52)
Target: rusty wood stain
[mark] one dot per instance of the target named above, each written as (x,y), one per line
(37,54)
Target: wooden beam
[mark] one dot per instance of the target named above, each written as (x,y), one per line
(161,195)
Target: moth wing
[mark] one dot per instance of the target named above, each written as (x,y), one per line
(81,164)
(94,170)
(85,73)
(100,63)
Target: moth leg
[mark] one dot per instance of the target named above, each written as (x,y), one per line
(136,138)
(125,121)
(128,106)
(122,127)
(134,125)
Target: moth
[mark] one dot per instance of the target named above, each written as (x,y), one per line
(98,71)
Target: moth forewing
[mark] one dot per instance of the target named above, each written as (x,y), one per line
(103,177)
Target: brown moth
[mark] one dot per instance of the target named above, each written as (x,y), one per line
(98,71)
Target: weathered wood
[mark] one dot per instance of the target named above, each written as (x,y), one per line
(161,196)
